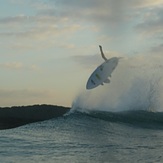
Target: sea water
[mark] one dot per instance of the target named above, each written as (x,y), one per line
(86,137)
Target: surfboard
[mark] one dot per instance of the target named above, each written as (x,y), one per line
(101,73)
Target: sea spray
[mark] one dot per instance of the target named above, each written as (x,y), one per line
(136,84)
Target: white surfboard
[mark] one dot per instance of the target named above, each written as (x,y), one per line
(102,72)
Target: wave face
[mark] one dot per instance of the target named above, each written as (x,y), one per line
(139,118)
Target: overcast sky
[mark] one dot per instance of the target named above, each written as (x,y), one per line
(49,48)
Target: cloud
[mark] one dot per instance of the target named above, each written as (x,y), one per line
(35,19)
(103,11)
(54,15)
(151,60)
(14,20)
(36,27)
(152,23)
(157,51)
(18,66)
(158,48)
(91,10)
(55,20)
(36,32)
(145,3)
(12,65)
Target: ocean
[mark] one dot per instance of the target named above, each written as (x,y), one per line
(92,136)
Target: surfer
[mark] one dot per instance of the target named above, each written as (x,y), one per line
(102,72)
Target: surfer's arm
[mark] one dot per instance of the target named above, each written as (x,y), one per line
(103,56)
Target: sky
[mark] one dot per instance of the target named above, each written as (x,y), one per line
(49,48)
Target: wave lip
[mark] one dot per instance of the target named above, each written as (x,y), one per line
(11,117)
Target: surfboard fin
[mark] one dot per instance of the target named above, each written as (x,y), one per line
(107,81)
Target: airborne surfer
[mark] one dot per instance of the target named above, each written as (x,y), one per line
(102,72)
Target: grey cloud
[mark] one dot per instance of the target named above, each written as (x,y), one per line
(103,12)
(38,27)
(152,23)
(106,11)
(17,20)
(157,50)
(13,20)
(92,10)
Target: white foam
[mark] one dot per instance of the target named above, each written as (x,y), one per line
(136,84)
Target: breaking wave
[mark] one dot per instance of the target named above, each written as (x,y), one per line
(133,118)
(136,84)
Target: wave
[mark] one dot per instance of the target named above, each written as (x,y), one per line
(139,118)
(136,84)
